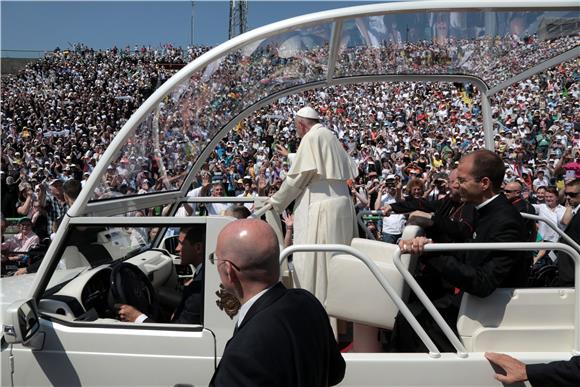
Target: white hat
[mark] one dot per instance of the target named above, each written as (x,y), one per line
(308,112)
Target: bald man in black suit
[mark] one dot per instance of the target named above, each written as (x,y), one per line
(283,336)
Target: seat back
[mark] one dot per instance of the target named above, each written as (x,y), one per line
(354,294)
(518,320)
(72,258)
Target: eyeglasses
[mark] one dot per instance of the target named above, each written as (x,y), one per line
(511,190)
(571,194)
(213,258)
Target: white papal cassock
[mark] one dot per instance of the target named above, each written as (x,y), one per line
(323,211)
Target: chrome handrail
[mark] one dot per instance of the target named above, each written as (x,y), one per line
(433,351)
(553,226)
(261,211)
(526,246)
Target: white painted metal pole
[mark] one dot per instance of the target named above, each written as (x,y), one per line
(564,238)
(487,121)
(447,331)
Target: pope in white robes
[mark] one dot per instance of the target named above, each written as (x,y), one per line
(323,211)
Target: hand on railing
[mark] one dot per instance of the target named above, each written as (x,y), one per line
(414,246)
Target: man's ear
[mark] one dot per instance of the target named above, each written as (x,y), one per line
(231,274)
(198,247)
(485,183)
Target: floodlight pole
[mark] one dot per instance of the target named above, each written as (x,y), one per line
(191,35)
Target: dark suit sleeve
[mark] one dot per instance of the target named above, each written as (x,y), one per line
(191,313)
(337,366)
(457,230)
(555,374)
(241,369)
(481,278)
(565,262)
(411,204)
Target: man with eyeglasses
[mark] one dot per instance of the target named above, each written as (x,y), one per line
(571,219)
(282,336)
(480,176)
(191,248)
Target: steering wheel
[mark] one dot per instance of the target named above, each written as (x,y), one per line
(129,285)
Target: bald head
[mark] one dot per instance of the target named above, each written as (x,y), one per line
(512,190)
(251,244)
(514,185)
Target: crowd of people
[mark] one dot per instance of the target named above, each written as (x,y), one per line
(407,140)
(60,113)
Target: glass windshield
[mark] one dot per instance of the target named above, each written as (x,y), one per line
(173,135)
(91,246)
(494,46)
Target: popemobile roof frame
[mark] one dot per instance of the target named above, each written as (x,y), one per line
(336,19)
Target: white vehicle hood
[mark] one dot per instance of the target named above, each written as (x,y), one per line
(20,287)
(12,289)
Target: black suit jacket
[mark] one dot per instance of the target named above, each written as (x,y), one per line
(481,272)
(452,222)
(555,374)
(565,262)
(285,339)
(190,308)
(522,205)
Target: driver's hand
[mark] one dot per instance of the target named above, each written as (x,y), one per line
(21,271)
(128,313)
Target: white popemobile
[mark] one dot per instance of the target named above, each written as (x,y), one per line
(59,325)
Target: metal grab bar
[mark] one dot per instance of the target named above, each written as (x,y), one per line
(528,246)
(433,351)
(218,199)
(261,211)
(552,225)
(363,225)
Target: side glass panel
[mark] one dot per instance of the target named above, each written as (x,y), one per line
(174,134)
(102,268)
(491,45)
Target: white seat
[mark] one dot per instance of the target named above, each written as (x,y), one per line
(518,320)
(72,258)
(354,294)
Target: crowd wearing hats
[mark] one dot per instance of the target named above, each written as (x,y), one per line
(60,114)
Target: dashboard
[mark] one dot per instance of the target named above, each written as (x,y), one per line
(95,293)
(86,296)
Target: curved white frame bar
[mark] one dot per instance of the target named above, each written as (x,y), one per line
(424,299)
(554,227)
(514,246)
(336,248)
